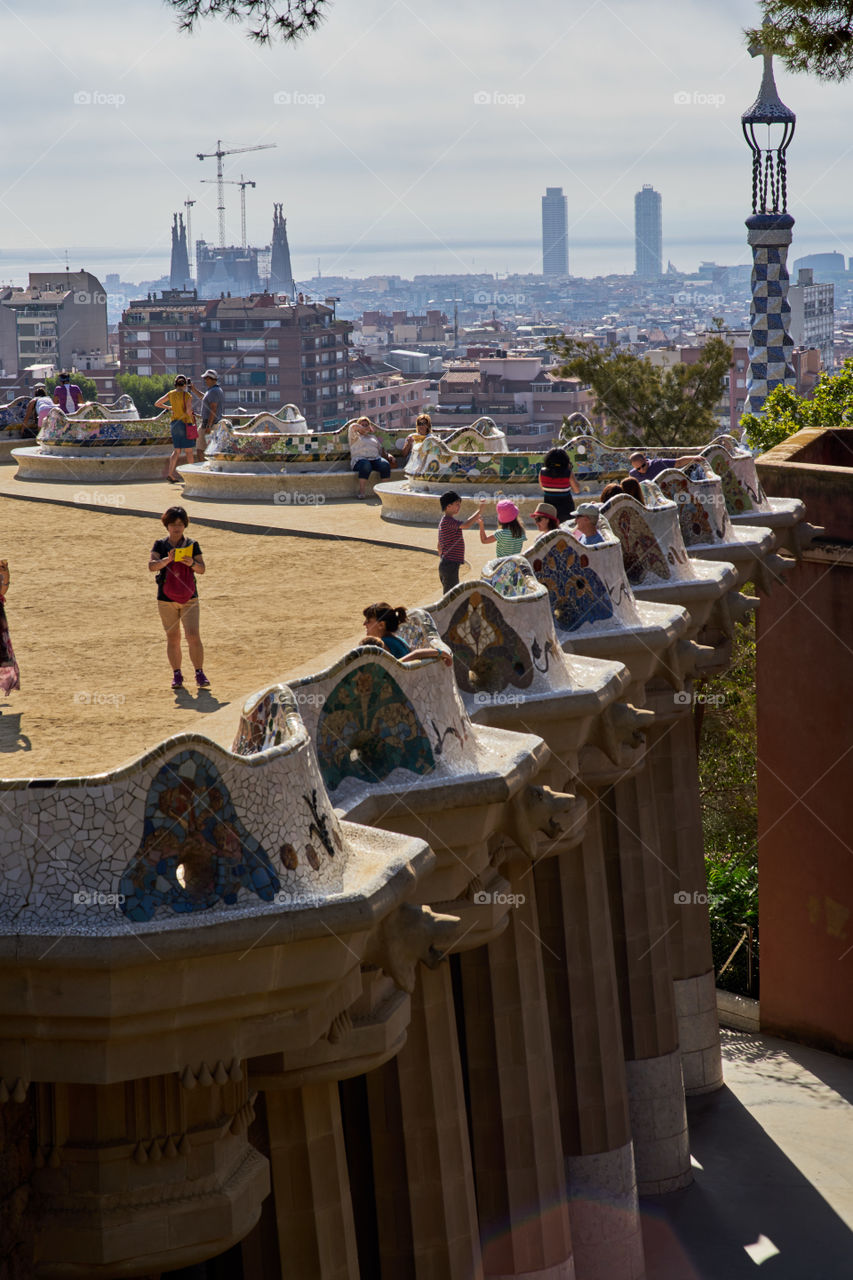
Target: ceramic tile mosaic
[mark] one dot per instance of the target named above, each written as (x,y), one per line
(436,462)
(587,586)
(771,346)
(741,486)
(701,507)
(502,644)
(188,830)
(383,726)
(482,436)
(12,414)
(511,576)
(61,434)
(261,439)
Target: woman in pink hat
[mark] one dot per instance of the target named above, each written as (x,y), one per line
(509,538)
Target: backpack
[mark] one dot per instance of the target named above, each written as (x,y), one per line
(178,582)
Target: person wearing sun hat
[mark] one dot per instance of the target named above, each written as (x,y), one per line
(211,410)
(509,538)
(544,516)
(586,524)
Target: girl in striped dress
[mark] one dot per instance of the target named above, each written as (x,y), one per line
(509,538)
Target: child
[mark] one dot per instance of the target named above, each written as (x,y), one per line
(509,538)
(451,544)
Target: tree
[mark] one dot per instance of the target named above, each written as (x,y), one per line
(785,412)
(815,36)
(645,404)
(286,20)
(144,391)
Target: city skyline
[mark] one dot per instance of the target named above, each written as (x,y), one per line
(433,171)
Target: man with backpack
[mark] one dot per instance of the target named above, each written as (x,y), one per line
(67,394)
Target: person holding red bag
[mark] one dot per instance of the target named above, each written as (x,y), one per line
(183,428)
(177,561)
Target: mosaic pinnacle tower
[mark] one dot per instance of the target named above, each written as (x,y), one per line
(769,227)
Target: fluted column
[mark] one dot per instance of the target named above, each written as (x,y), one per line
(518,1160)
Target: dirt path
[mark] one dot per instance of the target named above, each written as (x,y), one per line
(84,624)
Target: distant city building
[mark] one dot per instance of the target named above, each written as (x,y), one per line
(813,314)
(58,313)
(555,233)
(822,264)
(266,353)
(179,274)
(648,233)
(232,269)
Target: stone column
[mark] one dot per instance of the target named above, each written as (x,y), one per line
(586,1035)
(421,1152)
(649,1028)
(675,777)
(518,1159)
(316,1233)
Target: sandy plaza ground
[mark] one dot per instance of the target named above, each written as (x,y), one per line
(283,593)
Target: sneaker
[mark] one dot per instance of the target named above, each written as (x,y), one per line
(201,679)
(177,680)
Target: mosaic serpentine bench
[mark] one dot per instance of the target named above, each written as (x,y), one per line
(96,448)
(397,748)
(260,460)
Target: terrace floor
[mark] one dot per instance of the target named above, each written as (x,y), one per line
(772,1197)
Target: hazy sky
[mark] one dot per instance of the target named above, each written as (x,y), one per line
(400,125)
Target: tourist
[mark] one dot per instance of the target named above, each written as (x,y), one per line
(632,487)
(177,562)
(544,516)
(211,410)
(381,622)
(10,676)
(586,524)
(557,482)
(423,427)
(183,428)
(67,394)
(610,491)
(367,454)
(643,469)
(451,544)
(509,538)
(37,410)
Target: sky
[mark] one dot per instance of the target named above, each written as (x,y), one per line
(408,137)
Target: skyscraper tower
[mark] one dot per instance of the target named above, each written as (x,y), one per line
(179,272)
(769,234)
(555,233)
(648,233)
(281,274)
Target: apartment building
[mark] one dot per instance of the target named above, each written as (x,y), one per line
(58,313)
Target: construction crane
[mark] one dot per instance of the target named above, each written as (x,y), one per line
(188,204)
(220,181)
(242,184)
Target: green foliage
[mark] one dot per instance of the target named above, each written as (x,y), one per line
(785,412)
(285,20)
(88,386)
(815,36)
(728,797)
(645,404)
(144,391)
